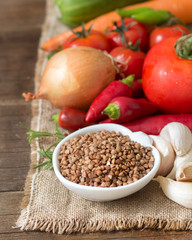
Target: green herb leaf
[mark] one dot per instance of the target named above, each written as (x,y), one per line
(32,134)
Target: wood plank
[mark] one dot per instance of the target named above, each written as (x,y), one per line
(8,160)
(10,203)
(21,14)
(12,179)
(7,224)
(22,74)
(136,235)
(14,146)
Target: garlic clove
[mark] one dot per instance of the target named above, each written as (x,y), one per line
(179,136)
(179,192)
(179,160)
(167,155)
(184,172)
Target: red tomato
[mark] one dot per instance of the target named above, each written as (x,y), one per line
(134,33)
(167,79)
(72,119)
(162,33)
(95,40)
(129,61)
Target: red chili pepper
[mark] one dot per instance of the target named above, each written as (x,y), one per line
(137,89)
(70,118)
(154,124)
(114,89)
(124,109)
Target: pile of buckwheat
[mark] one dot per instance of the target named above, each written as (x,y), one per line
(104,159)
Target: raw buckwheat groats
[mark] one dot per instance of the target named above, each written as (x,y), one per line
(104,159)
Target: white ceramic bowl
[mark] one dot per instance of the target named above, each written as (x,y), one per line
(108,194)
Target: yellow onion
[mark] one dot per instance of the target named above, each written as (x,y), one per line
(74,77)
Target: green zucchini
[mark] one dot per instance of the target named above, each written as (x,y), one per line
(74,12)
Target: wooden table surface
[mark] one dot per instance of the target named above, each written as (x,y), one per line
(20,28)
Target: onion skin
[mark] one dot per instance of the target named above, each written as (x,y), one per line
(74,77)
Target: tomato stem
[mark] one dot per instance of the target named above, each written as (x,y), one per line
(135,47)
(179,29)
(83,33)
(121,30)
(174,21)
(183,47)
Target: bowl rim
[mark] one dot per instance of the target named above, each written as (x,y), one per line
(63,180)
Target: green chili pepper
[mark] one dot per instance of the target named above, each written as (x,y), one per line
(146,15)
(155,17)
(130,12)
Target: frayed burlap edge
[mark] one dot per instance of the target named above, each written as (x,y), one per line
(64,226)
(81,226)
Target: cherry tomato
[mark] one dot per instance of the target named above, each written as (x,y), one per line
(129,61)
(167,78)
(94,39)
(162,33)
(71,119)
(135,32)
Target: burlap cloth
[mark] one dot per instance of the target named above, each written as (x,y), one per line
(49,206)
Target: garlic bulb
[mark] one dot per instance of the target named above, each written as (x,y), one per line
(184,172)
(178,162)
(178,192)
(167,155)
(179,136)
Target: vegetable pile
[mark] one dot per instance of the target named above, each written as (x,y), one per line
(132,66)
(181,9)
(136,73)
